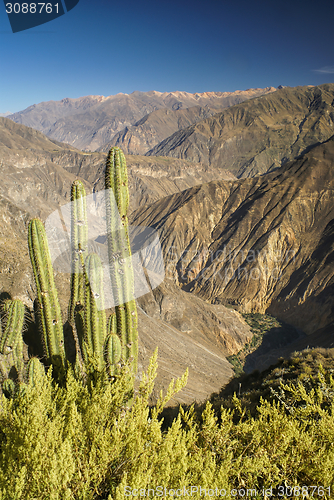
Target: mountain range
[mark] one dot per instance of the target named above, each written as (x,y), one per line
(90,122)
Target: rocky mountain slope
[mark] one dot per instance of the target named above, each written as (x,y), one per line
(155,127)
(257,135)
(90,122)
(258,244)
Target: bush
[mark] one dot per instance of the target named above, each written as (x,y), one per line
(89,442)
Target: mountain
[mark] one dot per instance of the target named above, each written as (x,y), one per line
(90,122)
(5,114)
(257,135)
(262,244)
(150,179)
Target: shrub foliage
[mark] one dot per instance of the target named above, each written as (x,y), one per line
(85,441)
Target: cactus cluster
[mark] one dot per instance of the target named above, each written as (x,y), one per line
(101,344)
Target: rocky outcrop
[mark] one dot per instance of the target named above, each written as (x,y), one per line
(257,135)
(260,244)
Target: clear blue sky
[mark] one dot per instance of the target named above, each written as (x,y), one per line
(102,47)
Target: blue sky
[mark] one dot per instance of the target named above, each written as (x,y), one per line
(103,47)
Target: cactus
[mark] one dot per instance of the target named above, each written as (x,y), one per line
(95,276)
(112,353)
(12,333)
(9,388)
(35,371)
(49,308)
(79,240)
(12,364)
(119,250)
(11,341)
(108,345)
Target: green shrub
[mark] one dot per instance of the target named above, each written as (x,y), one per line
(84,442)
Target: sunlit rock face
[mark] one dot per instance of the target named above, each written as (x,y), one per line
(260,244)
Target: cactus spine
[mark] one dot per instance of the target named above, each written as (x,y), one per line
(79,239)
(121,272)
(50,312)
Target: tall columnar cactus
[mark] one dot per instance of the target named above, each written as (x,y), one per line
(108,345)
(79,240)
(47,297)
(121,271)
(112,324)
(9,388)
(11,341)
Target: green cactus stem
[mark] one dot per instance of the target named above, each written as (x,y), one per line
(35,371)
(9,388)
(12,333)
(12,364)
(95,275)
(5,366)
(47,297)
(112,353)
(79,241)
(121,272)
(93,320)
